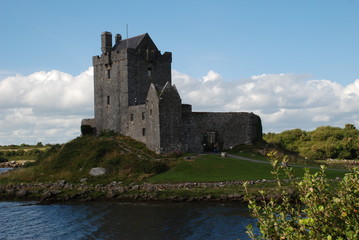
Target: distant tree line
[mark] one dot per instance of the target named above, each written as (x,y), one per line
(34,151)
(322,143)
(21,152)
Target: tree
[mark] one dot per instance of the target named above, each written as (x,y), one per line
(318,212)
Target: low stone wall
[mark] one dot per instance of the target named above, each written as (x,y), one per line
(63,191)
(12,164)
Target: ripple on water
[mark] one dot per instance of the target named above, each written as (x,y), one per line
(123,221)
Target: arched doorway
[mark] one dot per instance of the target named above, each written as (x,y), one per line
(210,141)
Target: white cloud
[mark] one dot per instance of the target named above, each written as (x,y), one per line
(53,90)
(44,106)
(49,106)
(283,101)
(211,76)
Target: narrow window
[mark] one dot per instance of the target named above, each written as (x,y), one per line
(131,116)
(149,71)
(108,73)
(143,116)
(108,100)
(150,112)
(143,131)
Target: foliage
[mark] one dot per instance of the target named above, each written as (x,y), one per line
(317,212)
(3,159)
(322,143)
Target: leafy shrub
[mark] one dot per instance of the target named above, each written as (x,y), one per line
(3,159)
(322,213)
(322,143)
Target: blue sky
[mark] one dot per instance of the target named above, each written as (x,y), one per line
(233,44)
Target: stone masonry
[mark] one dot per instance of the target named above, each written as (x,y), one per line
(134,96)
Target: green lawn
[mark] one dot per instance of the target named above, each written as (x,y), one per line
(212,168)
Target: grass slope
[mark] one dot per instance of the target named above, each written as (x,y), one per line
(123,158)
(211,168)
(130,161)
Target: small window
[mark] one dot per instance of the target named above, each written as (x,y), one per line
(143,116)
(143,131)
(108,100)
(131,117)
(150,112)
(108,73)
(149,71)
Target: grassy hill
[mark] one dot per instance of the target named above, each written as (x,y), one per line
(128,161)
(123,158)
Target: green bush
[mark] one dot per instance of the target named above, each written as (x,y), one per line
(320,212)
(322,143)
(3,159)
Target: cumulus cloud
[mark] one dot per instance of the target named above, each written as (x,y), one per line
(44,106)
(49,106)
(284,101)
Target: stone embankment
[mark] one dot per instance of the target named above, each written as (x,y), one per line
(63,191)
(12,164)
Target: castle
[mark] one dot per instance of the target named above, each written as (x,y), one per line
(134,96)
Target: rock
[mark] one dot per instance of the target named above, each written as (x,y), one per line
(83,180)
(97,171)
(50,193)
(45,195)
(62,182)
(55,192)
(110,194)
(223,154)
(10,192)
(68,186)
(21,193)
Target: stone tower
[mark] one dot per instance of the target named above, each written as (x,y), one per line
(122,77)
(134,96)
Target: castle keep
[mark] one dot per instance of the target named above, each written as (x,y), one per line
(134,96)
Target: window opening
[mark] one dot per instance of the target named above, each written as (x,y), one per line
(131,116)
(108,100)
(143,131)
(143,116)
(149,71)
(150,112)
(108,73)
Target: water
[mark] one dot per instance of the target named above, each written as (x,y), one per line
(113,220)
(2,170)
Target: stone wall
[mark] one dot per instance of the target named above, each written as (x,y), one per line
(153,140)
(137,122)
(170,107)
(232,129)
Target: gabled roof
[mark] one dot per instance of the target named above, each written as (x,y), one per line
(169,88)
(132,42)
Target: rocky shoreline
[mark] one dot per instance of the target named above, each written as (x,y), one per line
(12,164)
(63,191)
